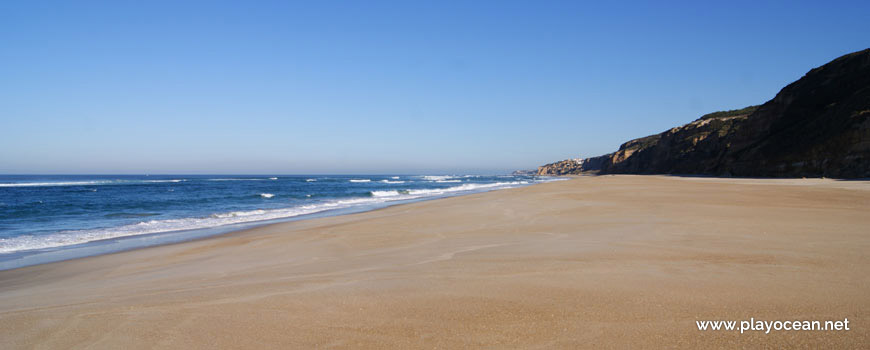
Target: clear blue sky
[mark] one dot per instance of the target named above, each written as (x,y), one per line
(384,87)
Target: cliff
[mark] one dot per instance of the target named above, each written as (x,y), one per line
(816,126)
(574,166)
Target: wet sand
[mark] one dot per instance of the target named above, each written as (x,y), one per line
(592,262)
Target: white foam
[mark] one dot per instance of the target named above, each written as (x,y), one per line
(446,181)
(394,177)
(65,238)
(237,179)
(85,183)
(437,177)
(392,182)
(385,193)
(273,178)
(466,187)
(267,195)
(310,180)
(360,180)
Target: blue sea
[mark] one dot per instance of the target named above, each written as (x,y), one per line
(51,218)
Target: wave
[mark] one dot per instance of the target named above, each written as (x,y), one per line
(85,183)
(437,177)
(310,180)
(273,178)
(237,179)
(392,182)
(384,193)
(446,181)
(130,215)
(72,237)
(65,238)
(394,177)
(88,190)
(413,194)
(466,187)
(267,195)
(360,180)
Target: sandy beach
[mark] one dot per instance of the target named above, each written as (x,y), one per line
(591,262)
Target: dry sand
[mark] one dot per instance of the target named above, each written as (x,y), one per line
(593,262)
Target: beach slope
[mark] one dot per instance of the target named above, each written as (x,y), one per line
(592,262)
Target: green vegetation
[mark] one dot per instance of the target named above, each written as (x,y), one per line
(731,113)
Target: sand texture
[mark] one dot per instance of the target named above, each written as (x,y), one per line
(592,262)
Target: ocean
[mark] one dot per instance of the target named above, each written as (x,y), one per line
(52,218)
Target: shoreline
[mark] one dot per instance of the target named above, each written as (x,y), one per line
(127,243)
(603,262)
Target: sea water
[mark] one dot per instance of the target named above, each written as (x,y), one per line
(50,218)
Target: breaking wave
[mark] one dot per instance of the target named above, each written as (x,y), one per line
(158,225)
(85,183)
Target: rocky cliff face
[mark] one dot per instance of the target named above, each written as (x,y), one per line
(694,148)
(565,167)
(816,126)
(574,166)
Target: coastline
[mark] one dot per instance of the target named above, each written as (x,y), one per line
(606,261)
(115,244)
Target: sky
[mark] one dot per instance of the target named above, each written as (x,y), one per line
(404,87)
